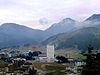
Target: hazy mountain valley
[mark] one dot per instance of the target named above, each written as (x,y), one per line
(68,33)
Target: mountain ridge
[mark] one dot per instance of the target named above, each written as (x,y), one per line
(93,18)
(15,34)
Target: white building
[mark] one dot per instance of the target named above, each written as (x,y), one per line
(50,53)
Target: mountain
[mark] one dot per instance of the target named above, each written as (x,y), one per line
(12,34)
(64,34)
(87,34)
(94,18)
(92,21)
(66,25)
(80,38)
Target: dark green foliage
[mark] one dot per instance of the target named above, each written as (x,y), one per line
(32,71)
(92,66)
(61,59)
(2,63)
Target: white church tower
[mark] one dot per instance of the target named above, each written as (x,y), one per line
(50,53)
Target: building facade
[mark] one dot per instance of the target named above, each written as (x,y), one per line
(50,53)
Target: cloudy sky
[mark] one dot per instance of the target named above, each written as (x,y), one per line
(40,14)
